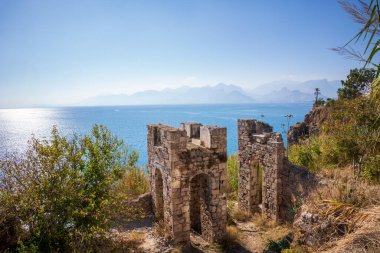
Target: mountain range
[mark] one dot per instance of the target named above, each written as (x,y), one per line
(275,92)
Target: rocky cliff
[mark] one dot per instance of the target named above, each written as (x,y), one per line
(311,125)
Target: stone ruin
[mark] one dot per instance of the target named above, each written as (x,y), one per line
(259,149)
(187,168)
(188,173)
(268,182)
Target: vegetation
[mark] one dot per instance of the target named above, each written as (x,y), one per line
(280,245)
(351,133)
(318,101)
(61,195)
(232,176)
(358,83)
(367,15)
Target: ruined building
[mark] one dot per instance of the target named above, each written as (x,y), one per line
(188,173)
(268,182)
(187,168)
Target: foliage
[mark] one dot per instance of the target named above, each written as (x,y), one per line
(280,245)
(240,215)
(231,241)
(293,250)
(367,15)
(350,134)
(354,127)
(319,102)
(232,174)
(317,92)
(358,83)
(61,191)
(307,153)
(371,169)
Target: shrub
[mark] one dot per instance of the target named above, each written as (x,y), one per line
(353,127)
(371,169)
(280,245)
(231,241)
(307,154)
(240,215)
(60,192)
(232,174)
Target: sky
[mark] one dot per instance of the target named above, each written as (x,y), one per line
(62,52)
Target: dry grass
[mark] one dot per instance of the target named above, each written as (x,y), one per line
(263,223)
(341,203)
(343,187)
(240,215)
(364,239)
(161,229)
(232,235)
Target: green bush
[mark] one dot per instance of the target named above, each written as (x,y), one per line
(307,154)
(371,169)
(61,192)
(232,174)
(280,245)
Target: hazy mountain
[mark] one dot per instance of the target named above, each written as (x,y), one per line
(285,95)
(328,88)
(218,94)
(275,92)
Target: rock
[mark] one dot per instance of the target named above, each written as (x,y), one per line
(306,223)
(311,125)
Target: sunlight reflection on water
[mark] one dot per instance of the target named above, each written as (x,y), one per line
(129,122)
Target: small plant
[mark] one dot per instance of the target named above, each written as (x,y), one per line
(371,169)
(232,176)
(295,207)
(280,245)
(231,240)
(161,229)
(240,215)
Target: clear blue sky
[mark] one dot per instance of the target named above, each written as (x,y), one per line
(60,52)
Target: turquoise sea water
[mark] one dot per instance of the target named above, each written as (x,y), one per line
(129,122)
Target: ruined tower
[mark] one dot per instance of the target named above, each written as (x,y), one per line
(187,170)
(261,164)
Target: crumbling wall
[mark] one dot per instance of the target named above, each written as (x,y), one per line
(192,162)
(141,206)
(297,184)
(257,144)
(283,183)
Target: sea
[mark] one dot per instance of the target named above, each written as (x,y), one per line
(129,122)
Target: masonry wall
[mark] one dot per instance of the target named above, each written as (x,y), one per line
(297,184)
(259,145)
(192,162)
(284,185)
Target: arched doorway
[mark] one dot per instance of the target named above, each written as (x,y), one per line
(256,186)
(159,195)
(200,198)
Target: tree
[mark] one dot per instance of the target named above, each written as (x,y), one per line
(358,83)
(318,101)
(317,92)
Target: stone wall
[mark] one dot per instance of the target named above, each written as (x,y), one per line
(187,168)
(142,205)
(297,183)
(281,183)
(258,145)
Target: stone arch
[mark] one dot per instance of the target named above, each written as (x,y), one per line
(159,195)
(200,202)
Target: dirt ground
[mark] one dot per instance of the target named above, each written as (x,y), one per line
(252,236)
